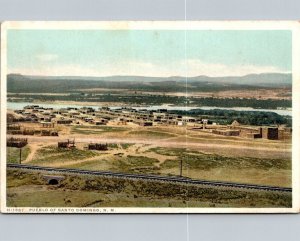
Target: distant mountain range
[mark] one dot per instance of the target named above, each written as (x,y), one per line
(265,79)
(22,83)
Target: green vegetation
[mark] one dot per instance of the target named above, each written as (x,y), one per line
(94,165)
(241,102)
(126,145)
(168,151)
(75,89)
(151,99)
(20,178)
(27,189)
(149,133)
(128,164)
(198,165)
(203,161)
(13,154)
(136,164)
(96,129)
(53,154)
(112,145)
(226,117)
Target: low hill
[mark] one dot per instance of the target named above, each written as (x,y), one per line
(21,83)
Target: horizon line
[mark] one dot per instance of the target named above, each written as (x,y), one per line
(171,76)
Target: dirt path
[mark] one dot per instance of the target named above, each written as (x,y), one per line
(33,149)
(163,143)
(137,150)
(144,150)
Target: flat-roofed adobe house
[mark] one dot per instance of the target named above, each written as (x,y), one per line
(64,122)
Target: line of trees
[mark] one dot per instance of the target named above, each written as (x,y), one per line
(139,99)
(258,118)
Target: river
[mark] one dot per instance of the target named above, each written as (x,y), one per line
(21,105)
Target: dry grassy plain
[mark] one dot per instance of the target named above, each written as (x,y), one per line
(27,189)
(159,150)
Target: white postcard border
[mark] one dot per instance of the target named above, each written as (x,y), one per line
(293,26)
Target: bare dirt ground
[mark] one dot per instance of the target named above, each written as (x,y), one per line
(174,137)
(33,149)
(162,143)
(134,143)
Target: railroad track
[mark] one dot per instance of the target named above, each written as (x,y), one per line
(151,177)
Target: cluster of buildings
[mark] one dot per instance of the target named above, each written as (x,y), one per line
(271,133)
(48,117)
(70,115)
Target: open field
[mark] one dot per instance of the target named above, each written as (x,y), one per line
(13,154)
(171,136)
(25,189)
(231,160)
(97,130)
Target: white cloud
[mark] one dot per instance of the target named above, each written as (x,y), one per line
(197,67)
(189,68)
(46,57)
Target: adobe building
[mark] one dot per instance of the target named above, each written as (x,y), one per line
(285,133)
(249,132)
(226,132)
(64,122)
(270,133)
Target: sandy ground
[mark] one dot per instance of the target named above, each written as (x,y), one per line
(165,136)
(33,149)
(143,139)
(162,143)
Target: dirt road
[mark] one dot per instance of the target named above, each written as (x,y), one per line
(220,147)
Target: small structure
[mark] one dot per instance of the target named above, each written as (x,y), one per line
(13,127)
(48,133)
(28,132)
(235,123)
(204,123)
(46,124)
(64,122)
(226,132)
(66,144)
(97,146)
(53,179)
(45,133)
(15,132)
(10,118)
(143,123)
(98,123)
(53,133)
(16,142)
(270,133)
(285,133)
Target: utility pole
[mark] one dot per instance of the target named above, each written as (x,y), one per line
(181,167)
(20,155)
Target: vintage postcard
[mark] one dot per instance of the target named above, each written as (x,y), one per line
(150,117)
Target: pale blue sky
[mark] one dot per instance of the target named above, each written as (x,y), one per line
(148,52)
